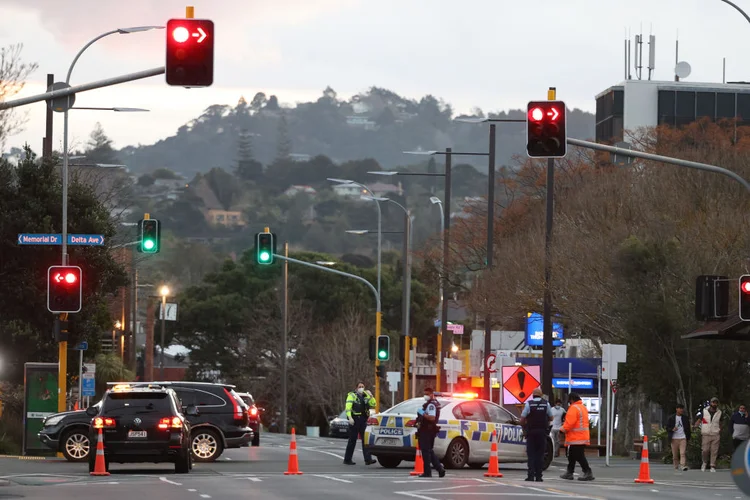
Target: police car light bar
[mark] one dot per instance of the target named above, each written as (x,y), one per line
(462,395)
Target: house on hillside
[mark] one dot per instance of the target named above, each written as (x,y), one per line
(362,121)
(213,210)
(296,189)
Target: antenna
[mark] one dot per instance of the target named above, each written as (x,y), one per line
(651,54)
(629,46)
(639,55)
(724,71)
(626,53)
(677,54)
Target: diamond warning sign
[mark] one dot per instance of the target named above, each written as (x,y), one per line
(519,382)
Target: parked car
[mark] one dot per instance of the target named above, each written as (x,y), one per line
(254,414)
(339,426)
(68,433)
(142,424)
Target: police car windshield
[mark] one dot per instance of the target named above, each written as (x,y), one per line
(411,406)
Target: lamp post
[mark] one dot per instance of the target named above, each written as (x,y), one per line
(380,220)
(164,291)
(436,201)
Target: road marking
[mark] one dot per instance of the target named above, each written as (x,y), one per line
(192,490)
(255,479)
(321,451)
(333,478)
(170,482)
(203,495)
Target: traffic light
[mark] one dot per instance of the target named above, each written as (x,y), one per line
(64,291)
(711,297)
(384,347)
(265,247)
(190,52)
(371,348)
(380,370)
(150,236)
(546,136)
(745,297)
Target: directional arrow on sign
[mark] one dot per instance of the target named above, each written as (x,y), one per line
(554,113)
(201,34)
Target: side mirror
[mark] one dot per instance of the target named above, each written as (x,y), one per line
(191,411)
(92,411)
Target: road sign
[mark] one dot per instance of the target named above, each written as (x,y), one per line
(519,383)
(490,364)
(88,380)
(171,312)
(86,239)
(60,104)
(456,329)
(393,379)
(81,346)
(39,239)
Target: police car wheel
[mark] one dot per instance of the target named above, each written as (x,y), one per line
(457,454)
(389,462)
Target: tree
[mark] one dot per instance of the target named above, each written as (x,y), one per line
(273,104)
(99,147)
(165,173)
(248,168)
(258,102)
(13,75)
(224,185)
(146,180)
(283,141)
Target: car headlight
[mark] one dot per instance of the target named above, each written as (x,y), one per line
(54,420)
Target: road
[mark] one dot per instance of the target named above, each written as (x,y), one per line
(258,473)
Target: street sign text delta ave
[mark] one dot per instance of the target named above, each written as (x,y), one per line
(86,239)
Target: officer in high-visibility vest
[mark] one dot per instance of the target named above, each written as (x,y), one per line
(535,418)
(577,437)
(358,406)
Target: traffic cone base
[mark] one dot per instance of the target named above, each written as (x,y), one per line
(100,465)
(644,474)
(494,470)
(293,467)
(418,464)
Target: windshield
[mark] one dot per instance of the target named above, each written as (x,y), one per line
(342,415)
(130,403)
(410,407)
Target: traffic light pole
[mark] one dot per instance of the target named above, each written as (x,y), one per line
(547,362)
(378,313)
(446,251)
(490,250)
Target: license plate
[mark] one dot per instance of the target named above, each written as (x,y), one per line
(136,434)
(390,442)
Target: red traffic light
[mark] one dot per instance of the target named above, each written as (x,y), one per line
(546,134)
(67,277)
(181,34)
(745,286)
(64,292)
(190,52)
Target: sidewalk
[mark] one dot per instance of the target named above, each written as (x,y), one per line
(626,469)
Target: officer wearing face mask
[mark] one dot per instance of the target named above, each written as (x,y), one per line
(358,406)
(427,429)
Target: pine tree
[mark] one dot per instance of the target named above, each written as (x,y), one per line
(248,168)
(100,148)
(283,141)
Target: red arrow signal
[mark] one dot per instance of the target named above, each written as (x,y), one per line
(202,34)
(554,113)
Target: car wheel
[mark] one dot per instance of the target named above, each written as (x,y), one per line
(548,454)
(206,445)
(457,454)
(256,439)
(76,445)
(182,464)
(476,465)
(389,462)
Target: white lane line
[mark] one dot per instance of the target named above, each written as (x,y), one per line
(255,479)
(413,495)
(321,451)
(170,482)
(333,478)
(192,490)
(203,495)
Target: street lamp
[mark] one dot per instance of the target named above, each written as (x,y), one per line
(164,291)
(436,201)
(115,109)
(380,217)
(325,262)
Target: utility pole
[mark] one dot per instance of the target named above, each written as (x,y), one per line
(284,346)
(405,305)
(47,142)
(148,358)
(439,373)
(490,242)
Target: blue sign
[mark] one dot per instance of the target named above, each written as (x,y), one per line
(39,239)
(86,239)
(82,346)
(535,331)
(576,383)
(88,386)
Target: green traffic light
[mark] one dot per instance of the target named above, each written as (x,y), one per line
(382,354)
(264,256)
(149,244)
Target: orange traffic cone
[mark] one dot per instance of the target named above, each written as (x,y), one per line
(418,464)
(644,476)
(293,468)
(493,471)
(100,466)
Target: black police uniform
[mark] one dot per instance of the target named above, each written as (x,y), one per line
(426,434)
(537,425)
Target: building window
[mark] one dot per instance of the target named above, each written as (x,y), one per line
(685,108)
(666,107)
(618,104)
(725,105)
(706,105)
(743,108)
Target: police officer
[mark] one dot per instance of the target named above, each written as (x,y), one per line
(427,419)
(358,406)
(535,418)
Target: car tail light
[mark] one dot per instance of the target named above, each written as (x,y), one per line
(103,422)
(239,412)
(372,421)
(254,411)
(173,422)
(411,423)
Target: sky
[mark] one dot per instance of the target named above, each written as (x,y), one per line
(494,54)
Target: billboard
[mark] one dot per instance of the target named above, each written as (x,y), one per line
(535,331)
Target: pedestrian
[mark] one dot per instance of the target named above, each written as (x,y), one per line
(710,425)
(577,437)
(535,419)
(678,431)
(427,429)
(739,426)
(358,406)
(558,417)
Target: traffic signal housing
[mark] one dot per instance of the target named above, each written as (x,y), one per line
(372,348)
(711,297)
(384,347)
(380,370)
(265,247)
(190,52)
(745,297)
(149,236)
(546,133)
(64,289)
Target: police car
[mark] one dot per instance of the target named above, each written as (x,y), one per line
(466,425)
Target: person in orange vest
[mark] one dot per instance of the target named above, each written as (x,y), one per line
(576,429)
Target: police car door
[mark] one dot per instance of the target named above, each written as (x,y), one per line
(510,441)
(474,428)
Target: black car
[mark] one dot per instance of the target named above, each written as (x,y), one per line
(222,422)
(339,426)
(254,414)
(142,424)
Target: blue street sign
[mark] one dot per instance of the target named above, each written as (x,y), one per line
(88,386)
(39,239)
(576,383)
(86,239)
(82,346)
